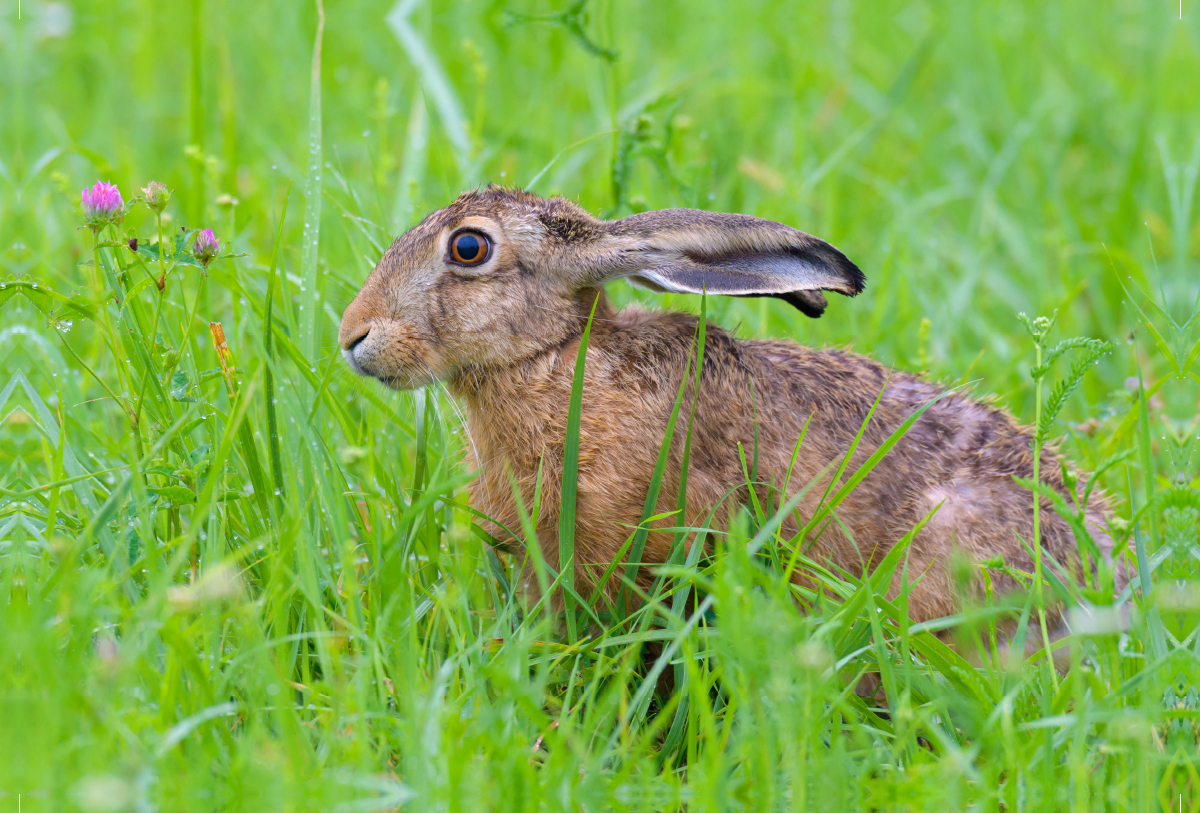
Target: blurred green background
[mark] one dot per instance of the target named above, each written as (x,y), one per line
(972,158)
(976,160)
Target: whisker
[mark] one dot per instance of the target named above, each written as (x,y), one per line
(467,431)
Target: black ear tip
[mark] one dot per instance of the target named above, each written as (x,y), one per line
(857,278)
(820,255)
(852,273)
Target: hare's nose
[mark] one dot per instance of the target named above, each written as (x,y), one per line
(356,341)
(352,335)
(356,322)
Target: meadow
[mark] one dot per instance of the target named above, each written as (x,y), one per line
(235,577)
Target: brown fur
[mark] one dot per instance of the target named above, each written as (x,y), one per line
(505,336)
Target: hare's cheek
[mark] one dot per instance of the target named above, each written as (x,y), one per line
(485,347)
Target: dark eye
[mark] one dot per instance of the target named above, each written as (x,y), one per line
(469,248)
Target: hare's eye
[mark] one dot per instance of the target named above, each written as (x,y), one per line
(469,248)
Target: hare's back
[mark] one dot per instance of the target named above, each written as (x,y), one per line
(959,457)
(842,391)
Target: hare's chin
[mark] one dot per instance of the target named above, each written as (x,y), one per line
(396,381)
(404,381)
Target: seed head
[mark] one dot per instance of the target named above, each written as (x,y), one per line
(156,195)
(206,246)
(102,205)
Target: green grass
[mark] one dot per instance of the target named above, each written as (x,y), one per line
(263,590)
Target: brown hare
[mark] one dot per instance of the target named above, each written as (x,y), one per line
(492,294)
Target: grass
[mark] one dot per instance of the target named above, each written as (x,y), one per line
(246,580)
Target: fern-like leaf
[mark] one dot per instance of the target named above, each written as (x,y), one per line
(1093,350)
(1062,347)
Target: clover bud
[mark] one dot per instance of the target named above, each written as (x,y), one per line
(156,195)
(102,205)
(206,246)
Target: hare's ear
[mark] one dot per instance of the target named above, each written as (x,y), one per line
(693,251)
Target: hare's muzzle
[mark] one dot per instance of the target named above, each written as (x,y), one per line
(379,346)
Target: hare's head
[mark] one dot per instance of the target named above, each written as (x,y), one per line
(501,275)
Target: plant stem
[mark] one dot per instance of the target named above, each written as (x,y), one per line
(1037,533)
(116,350)
(162,259)
(146,375)
(162,289)
(187,326)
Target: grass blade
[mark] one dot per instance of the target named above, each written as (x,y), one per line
(433,81)
(269,352)
(650,507)
(312,279)
(859,474)
(570,478)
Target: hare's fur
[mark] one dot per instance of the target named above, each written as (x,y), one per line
(506,338)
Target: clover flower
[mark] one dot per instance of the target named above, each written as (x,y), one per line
(102,205)
(206,246)
(156,195)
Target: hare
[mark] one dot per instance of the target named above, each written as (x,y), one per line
(492,294)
